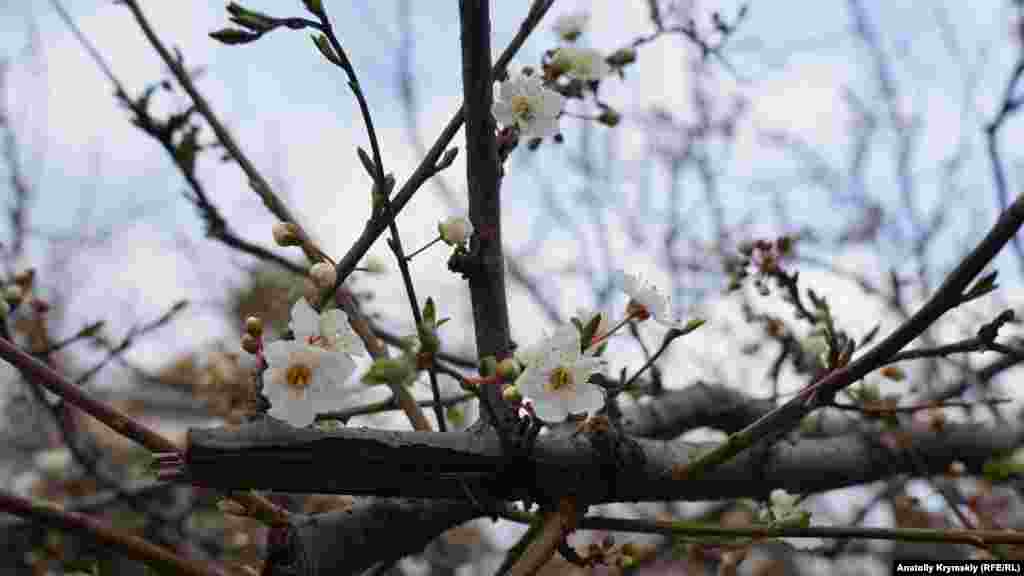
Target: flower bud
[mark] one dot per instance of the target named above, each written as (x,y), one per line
(310,290)
(250,343)
(508,369)
(375,265)
(25,277)
(254,326)
(13,294)
(455,230)
(323,275)
(287,234)
(511,395)
(957,469)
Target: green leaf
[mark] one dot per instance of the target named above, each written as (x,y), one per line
(234,36)
(315,7)
(389,371)
(255,21)
(325,48)
(430,313)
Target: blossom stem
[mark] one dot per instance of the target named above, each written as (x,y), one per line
(421,249)
(600,338)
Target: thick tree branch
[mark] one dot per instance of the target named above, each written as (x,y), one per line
(270,455)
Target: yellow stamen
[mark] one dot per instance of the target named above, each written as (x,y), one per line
(522,109)
(298,377)
(560,380)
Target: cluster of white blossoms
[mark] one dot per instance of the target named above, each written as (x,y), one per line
(557,374)
(558,368)
(311,372)
(523,101)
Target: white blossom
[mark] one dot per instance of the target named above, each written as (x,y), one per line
(556,377)
(584,64)
(646,295)
(330,330)
(524,102)
(309,374)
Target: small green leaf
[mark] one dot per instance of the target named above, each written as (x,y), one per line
(315,7)
(325,48)
(389,371)
(430,313)
(234,36)
(255,21)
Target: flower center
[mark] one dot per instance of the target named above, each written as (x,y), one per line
(298,377)
(637,310)
(560,380)
(522,109)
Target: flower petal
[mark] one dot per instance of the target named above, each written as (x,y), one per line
(296,411)
(304,322)
(550,411)
(278,353)
(588,398)
(503,113)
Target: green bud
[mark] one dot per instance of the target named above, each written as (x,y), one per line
(429,313)
(488,366)
(429,342)
(395,371)
(508,369)
(456,415)
(234,36)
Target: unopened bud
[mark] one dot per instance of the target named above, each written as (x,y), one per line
(957,469)
(25,277)
(13,294)
(511,395)
(254,326)
(287,234)
(250,343)
(455,231)
(374,265)
(508,369)
(323,275)
(894,373)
